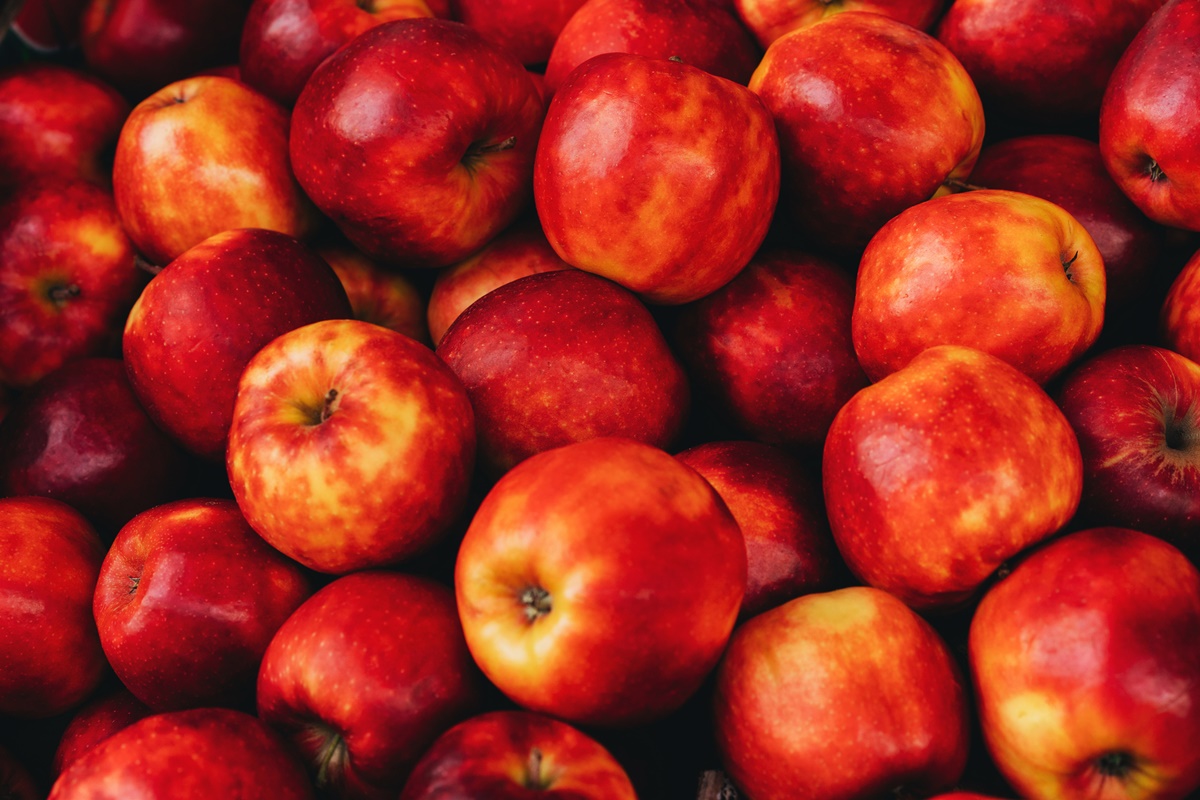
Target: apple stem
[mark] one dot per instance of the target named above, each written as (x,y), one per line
(536,601)
(146,266)
(330,405)
(507,144)
(535,769)
(715,785)
(60,295)
(957,186)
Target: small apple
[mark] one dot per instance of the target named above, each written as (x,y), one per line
(1179,318)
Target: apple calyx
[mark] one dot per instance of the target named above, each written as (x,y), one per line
(134,580)
(537,603)
(1116,764)
(331,755)
(1155,171)
(1180,434)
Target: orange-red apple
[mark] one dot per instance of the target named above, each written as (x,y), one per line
(770,19)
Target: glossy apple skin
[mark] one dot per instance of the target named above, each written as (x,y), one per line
(197,754)
(94,722)
(561,357)
(779,508)
(698,32)
(378,295)
(509,755)
(352,446)
(861,668)
(1004,272)
(770,19)
(199,321)
(187,601)
(201,156)
(364,676)
(902,111)
(67,279)
(283,41)
(1069,172)
(525,28)
(389,110)
(616,184)
(49,648)
(1090,648)
(773,347)
(599,582)
(1147,135)
(59,122)
(939,473)
(519,251)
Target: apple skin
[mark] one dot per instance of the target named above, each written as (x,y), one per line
(942,471)
(525,28)
(197,754)
(67,279)
(770,19)
(364,676)
(1146,138)
(1179,318)
(560,357)
(862,672)
(187,601)
(616,184)
(1069,172)
(599,582)
(903,113)
(390,109)
(199,321)
(779,508)
(283,41)
(773,347)
(1004,272)
(1084,661)
(507,755)
(97,720)
(351,447)
(377,295)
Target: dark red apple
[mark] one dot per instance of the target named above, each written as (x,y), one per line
(525,28)
(94,722)
(49,25)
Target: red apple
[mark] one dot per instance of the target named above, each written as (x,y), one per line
(95,722)
(845,694)
(942,471)
(198,322)
(1003,272)
(599,582)
(618,185)
(49,25)
(873,117)
(525,28)
(351,446)
(391,109)
(49,649)
(378,295)
(188,599)
(1085,661)
(561,357)
(507,755)
(364,676)
(770,19)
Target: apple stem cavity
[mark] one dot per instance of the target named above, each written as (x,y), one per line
(1117,764)
(478,150)
(61,295)
(1155,171)
(134,580)
(537,603)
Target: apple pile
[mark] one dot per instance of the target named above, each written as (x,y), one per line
(434,399)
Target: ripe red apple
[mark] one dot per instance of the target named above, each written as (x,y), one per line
(188,599)
(1007,273)
(525,28)
(197,323)
(638,209)
(942,471)
(99,719)
(770,19)
(198,754)
(48,26)
(48,643)
(1084,661)
(841,694)
(506,755)
(390,109)
(599,582)
(873,117)
(364,676)
(377,295)
(561,357)
(351,446)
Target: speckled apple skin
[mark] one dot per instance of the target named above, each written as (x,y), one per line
(941,472)
(97,720)
(770,19)
(378,295)
(1179,318)
(1092,646)
(645,568)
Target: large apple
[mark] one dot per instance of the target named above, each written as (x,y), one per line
(94,722)
(1085,662)
(525,28)
(392,109)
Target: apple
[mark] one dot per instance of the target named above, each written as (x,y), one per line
(48,26)
(378,295)
(197,754)
(506,755)
(391,109)
(99,719)
(525,28)
(770,19)
(599,582)
(364,676)
(560,357)
(941,472)
(618,183)
(873,116)
(1179,321)
(198,322)
(840,694)
(48,643)
(1004,272)
(351,446)
(283,41)
(1084,661)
